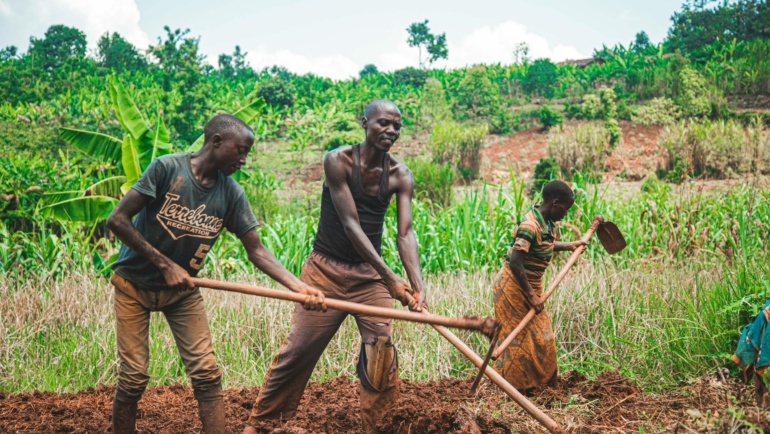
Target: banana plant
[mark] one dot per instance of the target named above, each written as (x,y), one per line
(140,145)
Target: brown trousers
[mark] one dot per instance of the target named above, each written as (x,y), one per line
(187,319)
(311,332)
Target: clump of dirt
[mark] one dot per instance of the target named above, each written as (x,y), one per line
(609,403)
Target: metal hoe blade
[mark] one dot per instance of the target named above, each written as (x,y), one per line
(611,238)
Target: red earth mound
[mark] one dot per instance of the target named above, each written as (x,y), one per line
(608,404)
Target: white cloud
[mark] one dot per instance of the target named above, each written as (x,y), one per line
(336,66)
(488,44)
(22,18)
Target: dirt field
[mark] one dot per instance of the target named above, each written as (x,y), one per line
(608,405)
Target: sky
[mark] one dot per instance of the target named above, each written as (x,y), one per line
(336,38)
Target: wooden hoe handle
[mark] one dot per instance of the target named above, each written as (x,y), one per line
(480,324)
(559,277)
(498,379)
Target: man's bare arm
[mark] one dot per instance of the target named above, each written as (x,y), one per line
(263,259)
(567,247)
(119,222)
(407,241)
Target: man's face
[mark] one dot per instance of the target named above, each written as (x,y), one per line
(383,127)
(232,149)
(560,208)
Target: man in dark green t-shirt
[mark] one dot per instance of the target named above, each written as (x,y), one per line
(181,203)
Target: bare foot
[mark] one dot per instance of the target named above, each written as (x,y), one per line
(249,430)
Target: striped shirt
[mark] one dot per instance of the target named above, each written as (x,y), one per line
(535,237)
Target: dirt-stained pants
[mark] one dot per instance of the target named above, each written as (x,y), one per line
(311,332)
(189,324)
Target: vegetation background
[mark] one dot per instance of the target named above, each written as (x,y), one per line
(76,131)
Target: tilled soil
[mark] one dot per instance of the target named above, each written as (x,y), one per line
(608,404)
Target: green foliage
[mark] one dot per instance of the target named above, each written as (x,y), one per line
(432,181)
(459,145)
(410,77)
(718,149)
(549,117)
(341,138)
(115,53)
(421,37)
(546,170)
(367,70)
(693,97)
(434,106)
(59,45)
(541,78)
(277,92)
(652,185)
(658,111)
(591,107)
(478,99)
(235,66)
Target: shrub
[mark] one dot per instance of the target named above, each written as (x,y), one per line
(541,78)
(277,92)
(580,149)
(459,145)
(549,117)
(719,149)
(693,97)
(410,77)
(614,131)
(477,95)
(654,186)
(504,122)
(341,138)
(659,111)
(591,107)
(434,106)
(547,169)
(432,181)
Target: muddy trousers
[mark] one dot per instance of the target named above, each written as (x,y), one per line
(311,332)
(189,324)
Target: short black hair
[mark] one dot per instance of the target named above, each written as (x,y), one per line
(223,124)
(376,105)
(558,190)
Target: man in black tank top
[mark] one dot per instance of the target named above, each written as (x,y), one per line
(346,264)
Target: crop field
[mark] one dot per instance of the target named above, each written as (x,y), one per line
(670,141)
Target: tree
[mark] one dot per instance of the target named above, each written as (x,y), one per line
(182,66)
(541,78)
(369,69)
(235,65)
(641,42)
(421,37)
(276,91)
(521,53)
(59,45)
(114,52)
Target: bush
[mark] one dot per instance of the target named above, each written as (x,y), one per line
(547,169)
(693,97)
(719,149)
(410,77)
(541,78)
(458,145)
(580,149)
(654,186)
(432,181)
(549,117)
(659,111)
(277,92)
(341,138)
(614,131)
(591,107)
(434,106)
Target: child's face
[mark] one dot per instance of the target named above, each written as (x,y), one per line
(559,209)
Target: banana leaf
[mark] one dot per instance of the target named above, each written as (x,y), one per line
(131,166)
(125,109)
(108,187)
(246,114)
(93,144)
(88,209)
(153,144)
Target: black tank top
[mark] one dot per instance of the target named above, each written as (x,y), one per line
(331,239)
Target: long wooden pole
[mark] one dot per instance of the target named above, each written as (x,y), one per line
(480,324)
(498,379)
(559,277)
